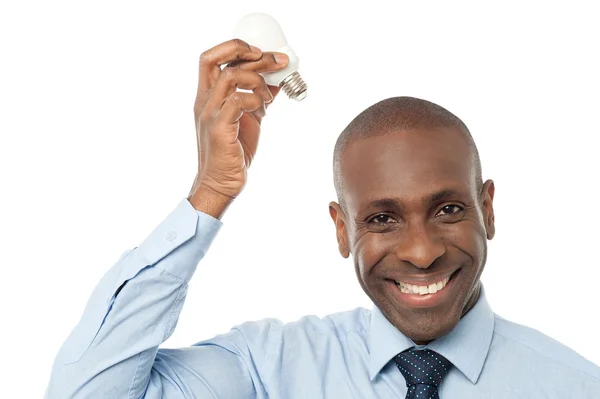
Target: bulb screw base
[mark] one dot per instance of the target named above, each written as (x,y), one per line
(294,87)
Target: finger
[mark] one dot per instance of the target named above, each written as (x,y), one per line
(232,79)
(238,103)
(221,54)
(269,62)
(274,91)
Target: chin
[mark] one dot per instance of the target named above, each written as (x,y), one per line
(426,329)
(422,325)
(428,334)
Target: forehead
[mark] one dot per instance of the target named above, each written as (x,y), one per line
(407,164)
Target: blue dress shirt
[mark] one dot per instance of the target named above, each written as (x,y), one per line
(114,351)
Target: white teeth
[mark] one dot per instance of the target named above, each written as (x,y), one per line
(406,288)
(424,289)
(433,288)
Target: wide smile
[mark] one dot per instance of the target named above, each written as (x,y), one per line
(432,288)
(424,294)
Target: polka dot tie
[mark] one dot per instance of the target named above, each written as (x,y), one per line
(423,371)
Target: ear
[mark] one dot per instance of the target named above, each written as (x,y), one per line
(337,215)
(487,199)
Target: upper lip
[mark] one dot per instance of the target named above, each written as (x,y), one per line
(424,280)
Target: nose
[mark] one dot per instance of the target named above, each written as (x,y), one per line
(419,246)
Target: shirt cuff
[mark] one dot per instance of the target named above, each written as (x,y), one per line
(185,235)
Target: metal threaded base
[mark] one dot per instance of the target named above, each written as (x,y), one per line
(294,87)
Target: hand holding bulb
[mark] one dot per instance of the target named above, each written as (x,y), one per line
(228,120)
(264,32)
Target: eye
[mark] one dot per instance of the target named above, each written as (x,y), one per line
(381,220)
(450,210)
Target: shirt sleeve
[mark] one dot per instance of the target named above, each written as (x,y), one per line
(113,352)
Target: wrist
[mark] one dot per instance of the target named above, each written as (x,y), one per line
(209,201)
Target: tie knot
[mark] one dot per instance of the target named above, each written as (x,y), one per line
(423,367)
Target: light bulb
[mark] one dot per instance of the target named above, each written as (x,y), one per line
(264,32)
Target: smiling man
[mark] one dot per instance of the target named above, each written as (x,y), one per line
(414,214)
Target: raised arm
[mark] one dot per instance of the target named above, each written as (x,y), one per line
(113,352)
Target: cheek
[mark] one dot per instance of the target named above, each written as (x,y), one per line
(368,251)
(469,237)
(481,250)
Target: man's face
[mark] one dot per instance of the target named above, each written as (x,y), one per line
(413,219)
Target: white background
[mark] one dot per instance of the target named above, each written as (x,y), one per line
(98,146)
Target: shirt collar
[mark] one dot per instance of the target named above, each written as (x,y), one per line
(466,346)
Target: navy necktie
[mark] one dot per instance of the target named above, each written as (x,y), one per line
(423,371)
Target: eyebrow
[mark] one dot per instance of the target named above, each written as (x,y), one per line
(435,197)
(385,203)
(441,195)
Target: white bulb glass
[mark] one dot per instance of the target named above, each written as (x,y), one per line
(263,31)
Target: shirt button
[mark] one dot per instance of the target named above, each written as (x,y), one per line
(171,235)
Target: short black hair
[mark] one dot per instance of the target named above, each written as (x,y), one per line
(399,114)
